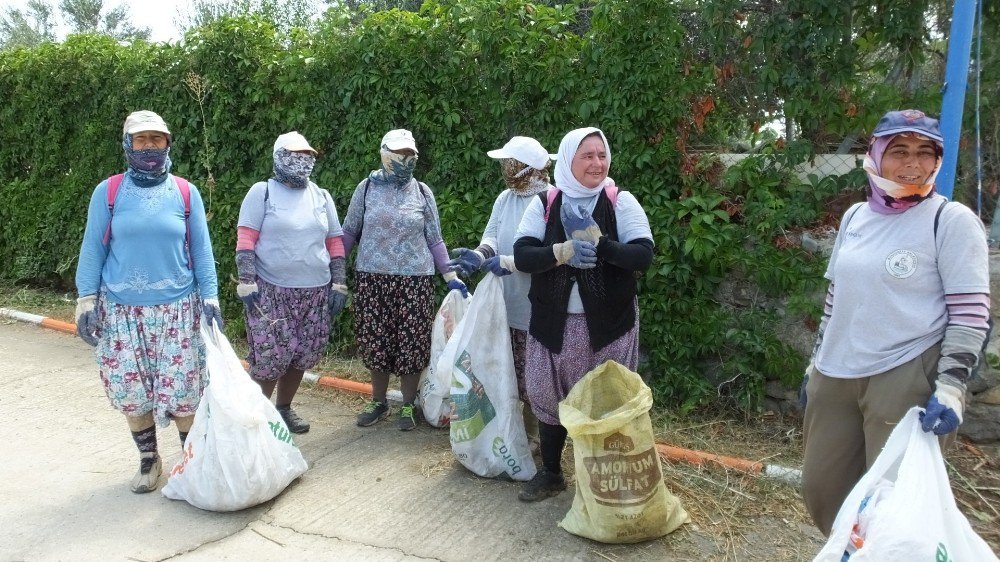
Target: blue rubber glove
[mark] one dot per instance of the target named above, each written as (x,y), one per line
(943,412)
(576,253)
(578,224)
(248,294)
(213,314)
(803,397)
(495,267)
(455,284)
(466,261)
(86,319)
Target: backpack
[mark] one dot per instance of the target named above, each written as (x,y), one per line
(611,191)
(115,181)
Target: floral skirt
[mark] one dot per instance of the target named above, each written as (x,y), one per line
(152,358)
(287,328)
(393,317)
(550,376)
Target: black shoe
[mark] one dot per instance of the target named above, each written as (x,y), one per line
(373,413)
(407,420)
(545,484)
(294,422)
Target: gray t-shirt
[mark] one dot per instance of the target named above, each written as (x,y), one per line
(500,234)
(294,225)
(633,224)
(890,276)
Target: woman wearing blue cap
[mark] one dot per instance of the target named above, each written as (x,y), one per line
(906,314)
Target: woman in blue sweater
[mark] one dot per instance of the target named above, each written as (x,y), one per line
(145,276)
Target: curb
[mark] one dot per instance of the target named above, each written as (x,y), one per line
(667,452)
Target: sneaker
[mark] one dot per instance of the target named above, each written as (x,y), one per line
(294,422)
(407,420)
(148,477)
(545,484)
(373,413)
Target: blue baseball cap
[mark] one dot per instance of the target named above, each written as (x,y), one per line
(908,121)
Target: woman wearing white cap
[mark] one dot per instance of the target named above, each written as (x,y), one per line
(145,276)
(907,320)
(290,259)
(394,220)
(583,246)
(523,165)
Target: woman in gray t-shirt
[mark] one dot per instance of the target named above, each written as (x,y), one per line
(393,219)
(907,319)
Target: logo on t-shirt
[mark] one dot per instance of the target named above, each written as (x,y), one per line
(901,264)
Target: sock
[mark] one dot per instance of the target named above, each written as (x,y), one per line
(552,440)
(145,439)
(184,436)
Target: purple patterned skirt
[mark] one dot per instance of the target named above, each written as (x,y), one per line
(287,328)
(550,376)
(393,318)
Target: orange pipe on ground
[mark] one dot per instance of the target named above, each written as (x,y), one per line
(345,384)
(59,325)
(699,458)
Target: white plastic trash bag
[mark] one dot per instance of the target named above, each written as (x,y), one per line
(487,430)
(239,452)
(435,385)
(902,509)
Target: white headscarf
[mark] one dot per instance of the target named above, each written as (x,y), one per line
(565,181)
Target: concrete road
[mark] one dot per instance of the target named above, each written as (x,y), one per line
(370,494)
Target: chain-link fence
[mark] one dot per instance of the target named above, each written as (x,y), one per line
(822,165)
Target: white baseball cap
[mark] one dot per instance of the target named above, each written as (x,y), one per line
(139,121)
(293,141)
(523,149)
(398,139)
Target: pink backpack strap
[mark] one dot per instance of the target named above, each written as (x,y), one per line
(185,188)
(114,182)
(550,197)
(611,190)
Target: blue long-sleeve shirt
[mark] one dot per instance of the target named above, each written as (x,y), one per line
(145,263)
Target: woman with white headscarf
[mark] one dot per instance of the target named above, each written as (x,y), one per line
(583,245)
(906,322)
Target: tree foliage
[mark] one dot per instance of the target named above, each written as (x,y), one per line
(37,24)
(28,28)
(658,77)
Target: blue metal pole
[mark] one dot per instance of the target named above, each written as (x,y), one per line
(956,79)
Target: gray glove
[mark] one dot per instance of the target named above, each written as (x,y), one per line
(576,253)
(86,319)
(338,286)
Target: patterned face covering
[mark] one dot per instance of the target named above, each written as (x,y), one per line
(146,167)
(398,168)
(293,168)
(522,179)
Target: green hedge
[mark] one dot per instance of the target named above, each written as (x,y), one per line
(464,77)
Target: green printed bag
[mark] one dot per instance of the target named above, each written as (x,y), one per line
(620,495)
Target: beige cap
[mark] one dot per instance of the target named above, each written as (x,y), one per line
(139,121)
(293,141)
(398,139)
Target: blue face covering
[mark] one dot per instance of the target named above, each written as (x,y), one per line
(147,167)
